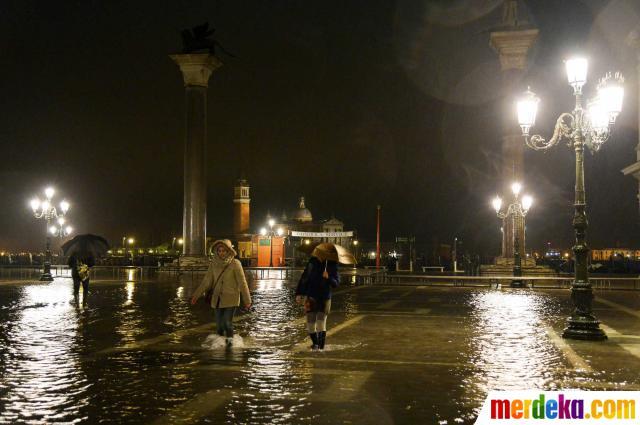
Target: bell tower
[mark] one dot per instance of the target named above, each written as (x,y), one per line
(241,202)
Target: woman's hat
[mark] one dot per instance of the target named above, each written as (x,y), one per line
(227,244)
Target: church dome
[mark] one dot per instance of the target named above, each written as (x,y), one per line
(302,214)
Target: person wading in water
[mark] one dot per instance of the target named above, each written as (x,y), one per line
(226,283)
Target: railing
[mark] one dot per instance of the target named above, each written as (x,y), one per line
(348,275)
(437,268)
(628,283)
(354,276)
(95,273)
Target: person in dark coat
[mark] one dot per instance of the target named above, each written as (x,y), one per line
(314,289)
(79,274)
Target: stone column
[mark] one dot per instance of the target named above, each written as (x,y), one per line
(633,40)
(196,69)
(512,42)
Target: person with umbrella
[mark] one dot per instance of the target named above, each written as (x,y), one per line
(314,287)
(80,267)
(226,284)
(82,251)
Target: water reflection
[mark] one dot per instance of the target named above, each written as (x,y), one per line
(42,358)
(129,317)
(130,288)
(508,345)
(180,314)
(271,377)
(269,285)
(131,274)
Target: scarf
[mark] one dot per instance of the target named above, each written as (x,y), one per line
(219,263)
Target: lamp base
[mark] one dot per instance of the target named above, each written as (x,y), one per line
(584,327)
(46,273)
(46,277)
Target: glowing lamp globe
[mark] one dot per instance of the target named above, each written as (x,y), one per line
(49,192)
(598,115)
(611,95)
(527,108)
(497,203)
(515,188)
(577,72)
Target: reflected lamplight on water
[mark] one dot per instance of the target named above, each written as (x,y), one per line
(131,274)
(269,285)
(508,352)
(131,286)
(42,334)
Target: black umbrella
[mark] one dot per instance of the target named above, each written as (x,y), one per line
(86,246)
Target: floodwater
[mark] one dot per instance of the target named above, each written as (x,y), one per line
(138,352)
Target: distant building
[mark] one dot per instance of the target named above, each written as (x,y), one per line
(278,244)
(607,254)
(298,227)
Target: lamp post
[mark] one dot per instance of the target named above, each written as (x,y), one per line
(47,211)
(516,212)
(130,241)
(455,255)
(355,249)
(580,128)
(270,233)
(173,243)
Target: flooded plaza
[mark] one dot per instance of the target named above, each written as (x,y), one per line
(138,352)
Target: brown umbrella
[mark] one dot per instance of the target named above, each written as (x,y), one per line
(328,251)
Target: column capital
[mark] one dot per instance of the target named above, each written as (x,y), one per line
(196,67)
(513,46)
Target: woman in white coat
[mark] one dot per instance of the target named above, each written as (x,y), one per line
(226,276)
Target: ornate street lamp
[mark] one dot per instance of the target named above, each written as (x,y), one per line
(271,233)
(580,128)
(47,211)
(61,230)
(516,211)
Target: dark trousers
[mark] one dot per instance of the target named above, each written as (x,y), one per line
(76,285)
(224,321)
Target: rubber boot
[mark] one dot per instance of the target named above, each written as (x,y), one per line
(229,342)
(314,339)
(321,338)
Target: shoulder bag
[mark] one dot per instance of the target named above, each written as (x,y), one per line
(209,294)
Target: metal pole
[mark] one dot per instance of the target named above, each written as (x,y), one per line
(582,324)
(455,255)
(517,264)
(378,239)
(46,273)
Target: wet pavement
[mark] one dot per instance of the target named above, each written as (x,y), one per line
(138,352)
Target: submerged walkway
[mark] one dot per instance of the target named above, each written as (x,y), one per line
(133,353)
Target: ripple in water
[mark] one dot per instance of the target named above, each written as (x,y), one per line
(508,344)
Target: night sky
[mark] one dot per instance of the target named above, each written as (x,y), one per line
(348,103)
